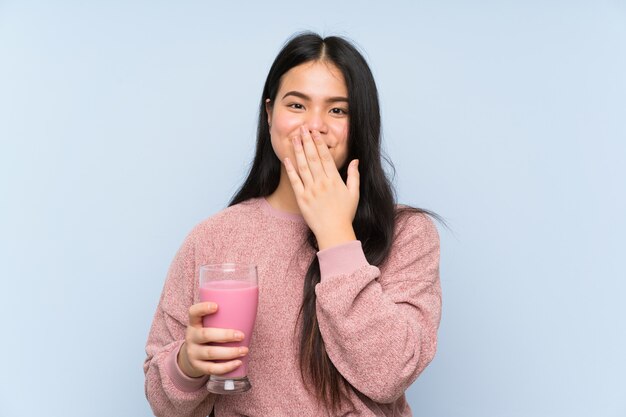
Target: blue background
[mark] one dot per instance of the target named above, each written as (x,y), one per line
(124,124)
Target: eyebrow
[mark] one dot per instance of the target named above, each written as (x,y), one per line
(305,97)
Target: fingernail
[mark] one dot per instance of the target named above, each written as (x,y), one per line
(238,335)
(243,350)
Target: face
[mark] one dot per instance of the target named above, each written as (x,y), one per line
(313,94)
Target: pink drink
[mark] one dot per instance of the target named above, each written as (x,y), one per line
(236,309)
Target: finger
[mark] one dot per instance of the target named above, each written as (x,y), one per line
(354,178)
(311,154)
(294,178)
(197,311)
(209,353)
(219,368)
(301,163)
(212,334)
(328,162)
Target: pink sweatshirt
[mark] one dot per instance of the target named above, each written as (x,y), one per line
(379,323)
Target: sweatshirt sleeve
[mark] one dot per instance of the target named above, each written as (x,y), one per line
(380,325)
(168,390)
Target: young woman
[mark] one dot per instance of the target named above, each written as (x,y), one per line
(349,292)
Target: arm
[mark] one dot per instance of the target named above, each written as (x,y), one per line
(169,391)
(380,325)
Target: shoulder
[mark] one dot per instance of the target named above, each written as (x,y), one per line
(226,220)
(412,224)
(414,252)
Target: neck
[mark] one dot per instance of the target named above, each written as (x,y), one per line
(283,198)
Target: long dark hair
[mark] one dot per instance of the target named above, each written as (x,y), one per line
(376,213)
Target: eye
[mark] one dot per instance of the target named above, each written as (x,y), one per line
(340,111)
(298,106)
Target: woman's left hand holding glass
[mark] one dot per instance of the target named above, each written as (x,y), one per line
(327,204)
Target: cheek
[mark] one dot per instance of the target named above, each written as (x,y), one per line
(281,148)
(285,124)
(282,130)
(344,133)
(341,150)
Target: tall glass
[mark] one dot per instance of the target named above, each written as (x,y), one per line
(234,288)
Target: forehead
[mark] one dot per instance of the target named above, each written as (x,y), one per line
(315,78)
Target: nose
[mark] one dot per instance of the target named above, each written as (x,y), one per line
(315,121)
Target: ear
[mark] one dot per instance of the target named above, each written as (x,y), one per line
(268,110)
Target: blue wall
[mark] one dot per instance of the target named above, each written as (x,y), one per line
(123,124)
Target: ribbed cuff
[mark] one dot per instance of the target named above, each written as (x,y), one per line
(178,378)
(341,259)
